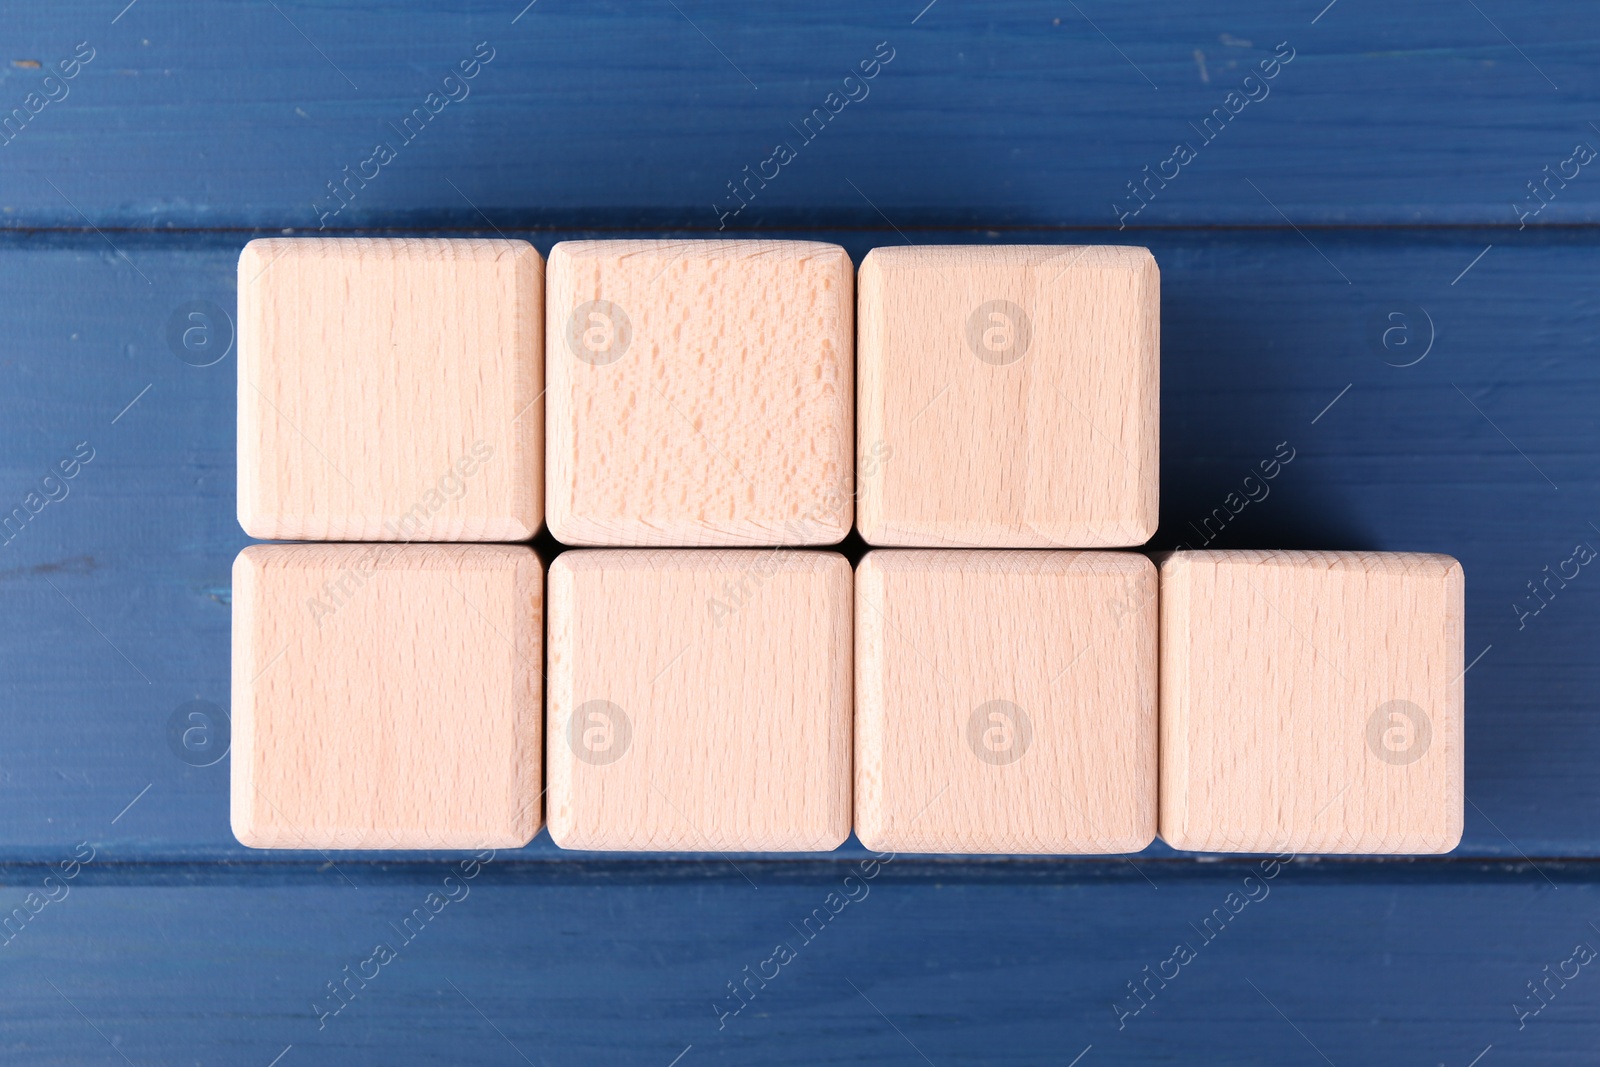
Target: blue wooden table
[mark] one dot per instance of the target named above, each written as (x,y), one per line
(1376,226)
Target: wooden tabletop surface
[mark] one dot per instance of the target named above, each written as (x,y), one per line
(1378,254)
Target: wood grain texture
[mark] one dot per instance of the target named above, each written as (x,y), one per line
(700,392)
(386,696)
(699,700)
(1311,701)
(388,389)
(1402,461)
(1009,396)
(1004,964)
(613,120)
(1012,113)
(1013,964)
(1005,701)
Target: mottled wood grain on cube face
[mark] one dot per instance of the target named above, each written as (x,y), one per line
(386,696)
(1311,701)
(700,700)
(1009,396)
(389,389)
(1005,701)
(700,392)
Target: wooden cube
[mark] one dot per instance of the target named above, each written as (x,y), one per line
(1009,396)
(389,390)
(386,696)
(699,700)
(1005,701)
(700,392)
(1311,701)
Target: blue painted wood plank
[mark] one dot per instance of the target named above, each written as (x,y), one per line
(238,114)
(1373,964)
(1003,121)
(118,600)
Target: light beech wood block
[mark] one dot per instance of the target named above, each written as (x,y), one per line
(389,389)
(1009,396)
(699,700)
(1311,702)
(1005,701)
(386,696)
(700,393)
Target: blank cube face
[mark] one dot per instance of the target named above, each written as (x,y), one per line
(1009,396)
(699,701)
(386,696)
(1311,702)
(388,390)
(700,392)
(1006,701)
